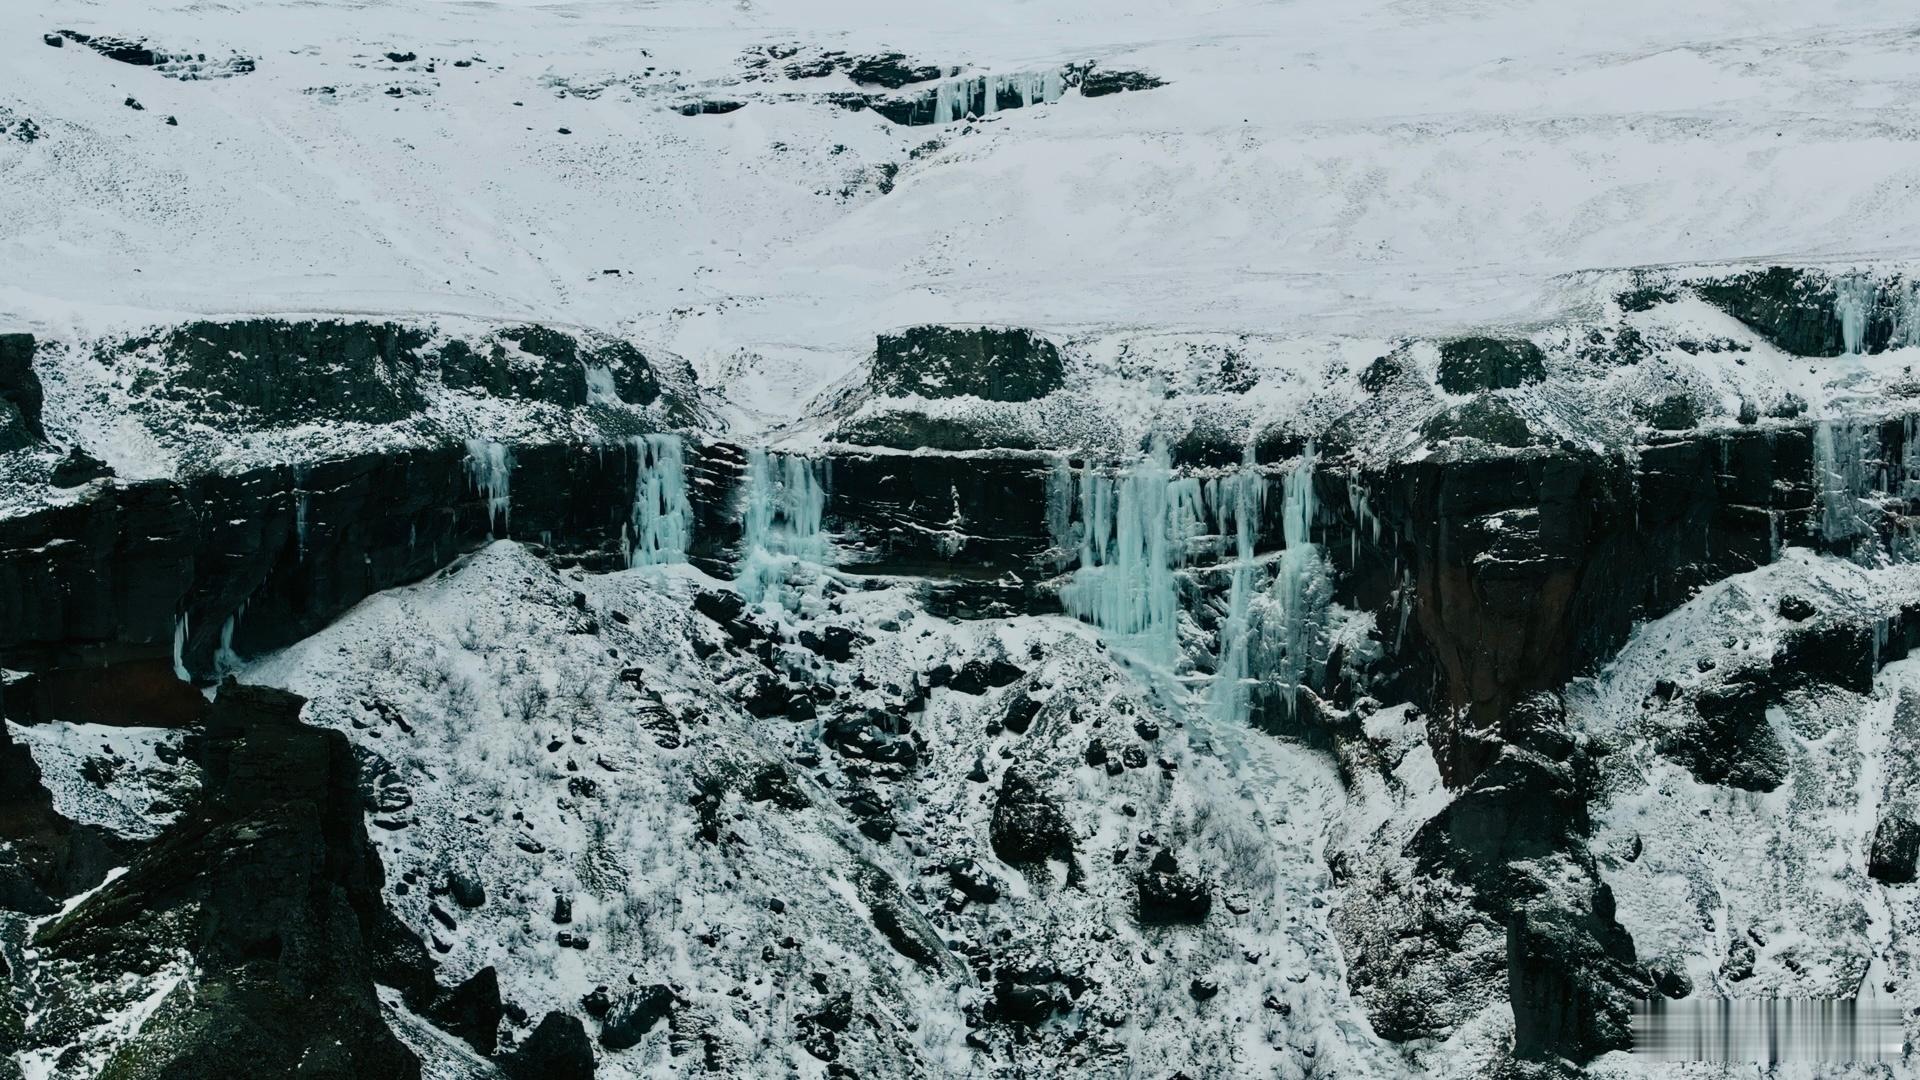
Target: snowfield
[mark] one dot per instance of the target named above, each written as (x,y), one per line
(1372,168)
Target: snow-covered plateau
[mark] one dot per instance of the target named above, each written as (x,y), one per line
(817,539)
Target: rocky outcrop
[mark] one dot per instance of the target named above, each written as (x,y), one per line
(44,857)
(272,373)
(1808,312)
(270,884)
(1481,363)
(20,394)
(995,364)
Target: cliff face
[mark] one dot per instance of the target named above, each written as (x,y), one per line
(1418,577)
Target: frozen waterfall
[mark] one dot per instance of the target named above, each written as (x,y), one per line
(1291,643)
(490,470)
(782,522)
(1852,303)
(661,522)
(1131,544)
(1134,531)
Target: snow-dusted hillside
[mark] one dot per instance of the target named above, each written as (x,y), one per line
(817,538)
(1376,167)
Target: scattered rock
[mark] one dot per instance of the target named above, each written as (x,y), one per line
(557,1050)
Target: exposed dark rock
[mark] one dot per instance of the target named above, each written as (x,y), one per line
(890,70)
(1381,373)
(558,1049)
(1797,311)
(1099,82)
(1028,826)
(471,1011)
(1471,364)
(985,362)
(1796,608)
(972,880)
(1896,848)
(1731,743)
(776,784)
(1675,412)
(894,916)
(1167,897)
(1523,806)
(979,676)
(44,857)
(1571,979)
(634,1014)
(77,468)
(271,883)
(466,890)
(711,107)
(20,394)
(1020,713)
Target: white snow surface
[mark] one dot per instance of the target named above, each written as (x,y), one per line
(1368,167)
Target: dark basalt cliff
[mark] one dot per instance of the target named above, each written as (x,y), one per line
(1495,573)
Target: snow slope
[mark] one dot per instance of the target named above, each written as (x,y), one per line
(1312,166)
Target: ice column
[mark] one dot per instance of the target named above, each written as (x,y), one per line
(1852,302)
(489,470)
(662,519)
(1292,640)
(1840,469)
(1134,534)
(1236,501)
(783,520)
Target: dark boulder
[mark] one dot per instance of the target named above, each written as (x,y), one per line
(972,880)
(1572,980)
(979,676)
(986,362)
(1028,826)
(558,1049)
(79,467)
(471,1011)
(891,70)
(1099,82)
(1896,848)
(1167,897)
(466,890)
(1020,713)
(1731,742)
(903,927)
(1490,418)
(631,1015)
(1523,806)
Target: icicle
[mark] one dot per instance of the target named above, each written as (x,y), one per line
(180,648)
(1906,315)
(1852,303)
(1292,645)
(1060,512)
(225,660)
(1134,535)
(1237,500)
(661,519)
(783,521)
(490,471)
(1840,470)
